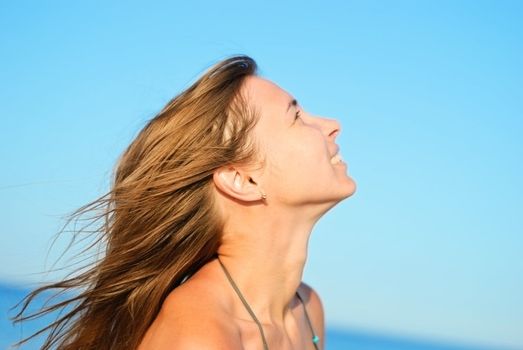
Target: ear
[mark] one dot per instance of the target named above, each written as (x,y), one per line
(237,184)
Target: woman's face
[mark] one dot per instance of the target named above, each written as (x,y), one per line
(302,164)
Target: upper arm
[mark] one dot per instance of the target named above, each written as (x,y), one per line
(315,310)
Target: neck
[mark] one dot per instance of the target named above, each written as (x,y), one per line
(265,257)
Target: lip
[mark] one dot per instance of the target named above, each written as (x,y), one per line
(336,150)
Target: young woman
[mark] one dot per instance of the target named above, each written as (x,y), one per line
(206,226)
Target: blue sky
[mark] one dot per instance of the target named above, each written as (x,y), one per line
(429,95)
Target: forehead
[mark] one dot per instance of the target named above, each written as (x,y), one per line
(265,94)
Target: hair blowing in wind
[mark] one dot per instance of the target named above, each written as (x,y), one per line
(157,224)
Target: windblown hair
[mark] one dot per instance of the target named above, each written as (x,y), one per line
(158,223)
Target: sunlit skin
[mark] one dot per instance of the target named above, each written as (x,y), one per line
(264,243)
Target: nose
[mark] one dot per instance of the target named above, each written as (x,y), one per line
(330,127)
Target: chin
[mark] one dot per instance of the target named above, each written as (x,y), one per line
(344,193)
(351,188)
(345,189)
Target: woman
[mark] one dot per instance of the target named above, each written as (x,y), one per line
(206,225)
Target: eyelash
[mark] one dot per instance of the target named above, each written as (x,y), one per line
(298,115)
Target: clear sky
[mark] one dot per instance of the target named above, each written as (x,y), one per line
(429,95)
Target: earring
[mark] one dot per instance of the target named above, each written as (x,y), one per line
(262,194)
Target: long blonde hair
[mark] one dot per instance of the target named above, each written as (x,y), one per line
(158,223)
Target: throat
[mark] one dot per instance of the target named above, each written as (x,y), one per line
(267,283)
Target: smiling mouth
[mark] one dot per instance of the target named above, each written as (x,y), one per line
(336,159)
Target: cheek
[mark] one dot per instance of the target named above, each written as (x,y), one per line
(297,164)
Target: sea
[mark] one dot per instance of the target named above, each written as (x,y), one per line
(336,338)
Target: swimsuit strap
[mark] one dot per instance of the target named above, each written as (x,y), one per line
(315,338)
(246,304)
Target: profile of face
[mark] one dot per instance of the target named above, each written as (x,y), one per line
(302,164)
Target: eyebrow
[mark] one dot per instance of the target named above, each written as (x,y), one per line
(293,103)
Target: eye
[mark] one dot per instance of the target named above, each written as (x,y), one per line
(298,115)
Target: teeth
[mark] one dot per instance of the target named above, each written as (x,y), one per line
(336,159)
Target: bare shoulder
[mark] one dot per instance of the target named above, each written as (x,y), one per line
(312,300)
(189,319)
(315,310)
